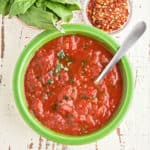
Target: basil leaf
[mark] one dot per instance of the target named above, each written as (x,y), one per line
(39,18)
(20,6)
(50,81)
(61,54)
(72,4)
(60,10)
(5,6)
(58,68)
(40,4)
(42,14)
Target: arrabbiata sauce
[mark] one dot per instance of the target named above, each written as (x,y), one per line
(59,85)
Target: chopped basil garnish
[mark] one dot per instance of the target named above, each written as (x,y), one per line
(61,54)
(50,81)
(60,67)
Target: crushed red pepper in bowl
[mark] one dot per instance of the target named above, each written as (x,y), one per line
(108,15)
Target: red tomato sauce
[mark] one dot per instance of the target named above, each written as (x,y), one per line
(59,85)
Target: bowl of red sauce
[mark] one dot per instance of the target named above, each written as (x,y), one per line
(54,86)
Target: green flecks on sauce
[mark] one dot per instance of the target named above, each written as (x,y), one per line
(50,81)
(59,67)
(61,54)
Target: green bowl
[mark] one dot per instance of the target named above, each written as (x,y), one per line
(20,70)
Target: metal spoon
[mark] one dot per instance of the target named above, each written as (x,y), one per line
(131,39)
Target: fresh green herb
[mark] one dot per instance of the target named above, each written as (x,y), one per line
(84,97)
(39,18)
(60,10)
(5,6)
(61,54)
(19,7)
(72,4)
(41,4)
(50,81)
(60,67)
(43,14)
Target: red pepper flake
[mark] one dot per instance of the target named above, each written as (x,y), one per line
(108,15)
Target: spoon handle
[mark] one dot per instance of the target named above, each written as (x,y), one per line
(133,36)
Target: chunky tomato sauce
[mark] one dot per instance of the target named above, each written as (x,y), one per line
(60,90)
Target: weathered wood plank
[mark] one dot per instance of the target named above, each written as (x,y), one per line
(2,37)
(132,134)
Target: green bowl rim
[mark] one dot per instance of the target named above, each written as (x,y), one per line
(18,82)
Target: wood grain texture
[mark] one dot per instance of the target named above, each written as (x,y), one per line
(132,134)
(2,38)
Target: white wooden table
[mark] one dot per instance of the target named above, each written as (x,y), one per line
(132,134)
